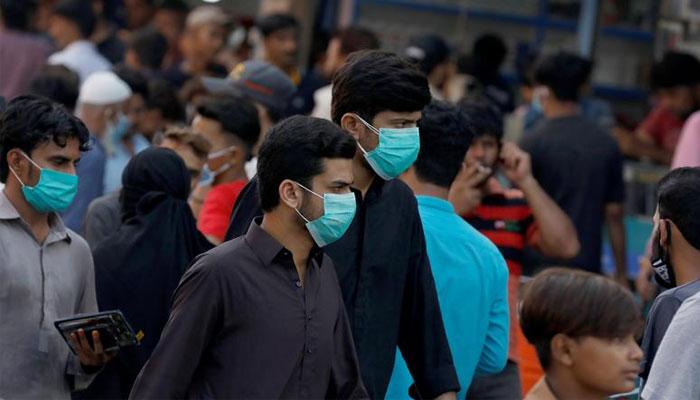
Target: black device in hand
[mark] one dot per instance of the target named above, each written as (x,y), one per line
(114,331)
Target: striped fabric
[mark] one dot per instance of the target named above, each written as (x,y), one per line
(505,218)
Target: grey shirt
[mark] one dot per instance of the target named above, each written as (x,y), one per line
(40,283)
(660,316)
(102,219)
(676,368)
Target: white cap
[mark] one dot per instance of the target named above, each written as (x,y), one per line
(205,15)
(103,88)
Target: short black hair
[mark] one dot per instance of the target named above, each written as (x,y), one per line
(58,83)
(445,135)
(577,304)
(488,53)
(272,23)
(354,39)
(372,81)
(163,97)
(675,69)
(564,74)
(79,12)
(137,81)
(293,149)
(29,121)
(150,47)
(484,118)
(174,5)
(237,115)
(679,201)
(15,14)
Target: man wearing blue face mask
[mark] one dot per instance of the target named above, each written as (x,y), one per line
(99,104)
(382,263)
(46,270)
(262,316)
(125,140)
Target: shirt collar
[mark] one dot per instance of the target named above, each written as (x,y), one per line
(57,230)
(268,249)
(435,203)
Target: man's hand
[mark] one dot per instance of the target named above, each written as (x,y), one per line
(515,163)
(92,357)
(465,193)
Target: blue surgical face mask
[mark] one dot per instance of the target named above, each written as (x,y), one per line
(121,128)
(54,192)
(397,150)
(338,213)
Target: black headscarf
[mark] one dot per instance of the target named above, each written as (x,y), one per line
(138,267)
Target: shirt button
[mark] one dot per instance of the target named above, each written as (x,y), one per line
(309,317)
(308,351)
(298,284)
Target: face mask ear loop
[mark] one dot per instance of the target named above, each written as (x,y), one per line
(368,125)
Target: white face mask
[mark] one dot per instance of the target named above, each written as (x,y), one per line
(220,153)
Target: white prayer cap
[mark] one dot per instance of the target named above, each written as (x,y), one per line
(103,88)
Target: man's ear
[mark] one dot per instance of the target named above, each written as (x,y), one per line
(352,124)
(290,193)
(561,349)
(665,226)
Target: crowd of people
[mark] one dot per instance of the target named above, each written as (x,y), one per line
(361,229)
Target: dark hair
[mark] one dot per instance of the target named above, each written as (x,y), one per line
(294,149)
(137,81)
(564,74)
(79,12)
(237,115)
(15,14)
(150,47)
(372,81)
(675,69)
(174,5)
(57,83)
(679,201)
(272,23)
(163,97)
(29,121)
(354,39)
(577,304)
(428,51)
(445,136)
(488,53)
(484,118)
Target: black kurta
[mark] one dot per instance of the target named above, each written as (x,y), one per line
(387,285)
(243,326)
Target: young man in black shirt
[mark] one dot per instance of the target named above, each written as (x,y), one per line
(382,264)
(262,316)
(577,163)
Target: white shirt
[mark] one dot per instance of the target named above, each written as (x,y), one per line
(82,57)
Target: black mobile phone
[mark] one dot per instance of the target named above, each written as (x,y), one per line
(114,330)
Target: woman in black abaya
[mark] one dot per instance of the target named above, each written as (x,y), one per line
(138,267)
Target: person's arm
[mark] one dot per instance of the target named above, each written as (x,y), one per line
(81,369)
(345,379)
(616,230)
(422,337)
(194,318)
(494,355)
(558,238)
